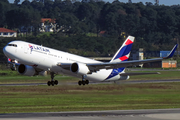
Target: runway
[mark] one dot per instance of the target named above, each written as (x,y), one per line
(151,114)
(75,83)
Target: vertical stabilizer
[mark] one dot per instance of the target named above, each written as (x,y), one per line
(124,52)
(121,55)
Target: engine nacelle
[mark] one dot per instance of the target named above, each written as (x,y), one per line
(123,77)
(26,70)
(79,68)
(43,73)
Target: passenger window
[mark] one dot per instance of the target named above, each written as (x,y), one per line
(14,45)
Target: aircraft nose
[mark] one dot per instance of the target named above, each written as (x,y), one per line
(5,51)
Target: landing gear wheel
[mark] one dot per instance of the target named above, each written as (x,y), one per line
(56,82)
(49,83)
(79,83)
(87,82)
(83,82)
(52,82)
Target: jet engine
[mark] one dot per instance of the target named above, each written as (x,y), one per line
(79,68)
(26,70)
(124,77)
(29,71)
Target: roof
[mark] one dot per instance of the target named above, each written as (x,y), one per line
(6,30)
(43,20)
(102,32)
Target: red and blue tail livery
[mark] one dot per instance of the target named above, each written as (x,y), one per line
(121,55)
(124,52)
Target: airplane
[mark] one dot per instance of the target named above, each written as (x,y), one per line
(33,59)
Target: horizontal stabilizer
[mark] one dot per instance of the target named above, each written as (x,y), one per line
(132,74)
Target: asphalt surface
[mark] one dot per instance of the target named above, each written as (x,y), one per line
(151,114)
(119,82)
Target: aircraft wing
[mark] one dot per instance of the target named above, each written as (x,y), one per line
(93,67)
(114,65)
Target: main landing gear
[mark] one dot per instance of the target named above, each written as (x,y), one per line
(52,82)
(83,81)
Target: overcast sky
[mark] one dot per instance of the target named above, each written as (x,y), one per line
(165,2)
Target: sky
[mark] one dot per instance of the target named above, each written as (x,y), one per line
(161,2)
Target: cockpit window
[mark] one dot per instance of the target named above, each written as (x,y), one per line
(14,45)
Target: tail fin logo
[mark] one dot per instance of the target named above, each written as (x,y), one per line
(31,47)
(124,51)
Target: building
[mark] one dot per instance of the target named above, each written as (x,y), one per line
(161,64)
(137,55)
(7,33)
(47,25)
(164,53)
(169,64)
(102,33)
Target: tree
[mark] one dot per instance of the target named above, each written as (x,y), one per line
(26,3)
(16,2)
(4,7)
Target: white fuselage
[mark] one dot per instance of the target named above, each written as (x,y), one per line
(46,59)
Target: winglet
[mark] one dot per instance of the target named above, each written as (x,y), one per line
(172,52)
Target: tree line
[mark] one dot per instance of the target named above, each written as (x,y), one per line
(156,27)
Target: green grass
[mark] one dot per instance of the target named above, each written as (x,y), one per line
(20,99)
(23,99)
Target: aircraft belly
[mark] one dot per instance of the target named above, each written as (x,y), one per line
(115,78)
(99,76)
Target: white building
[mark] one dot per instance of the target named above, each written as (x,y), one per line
(7,33)
(47,25)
